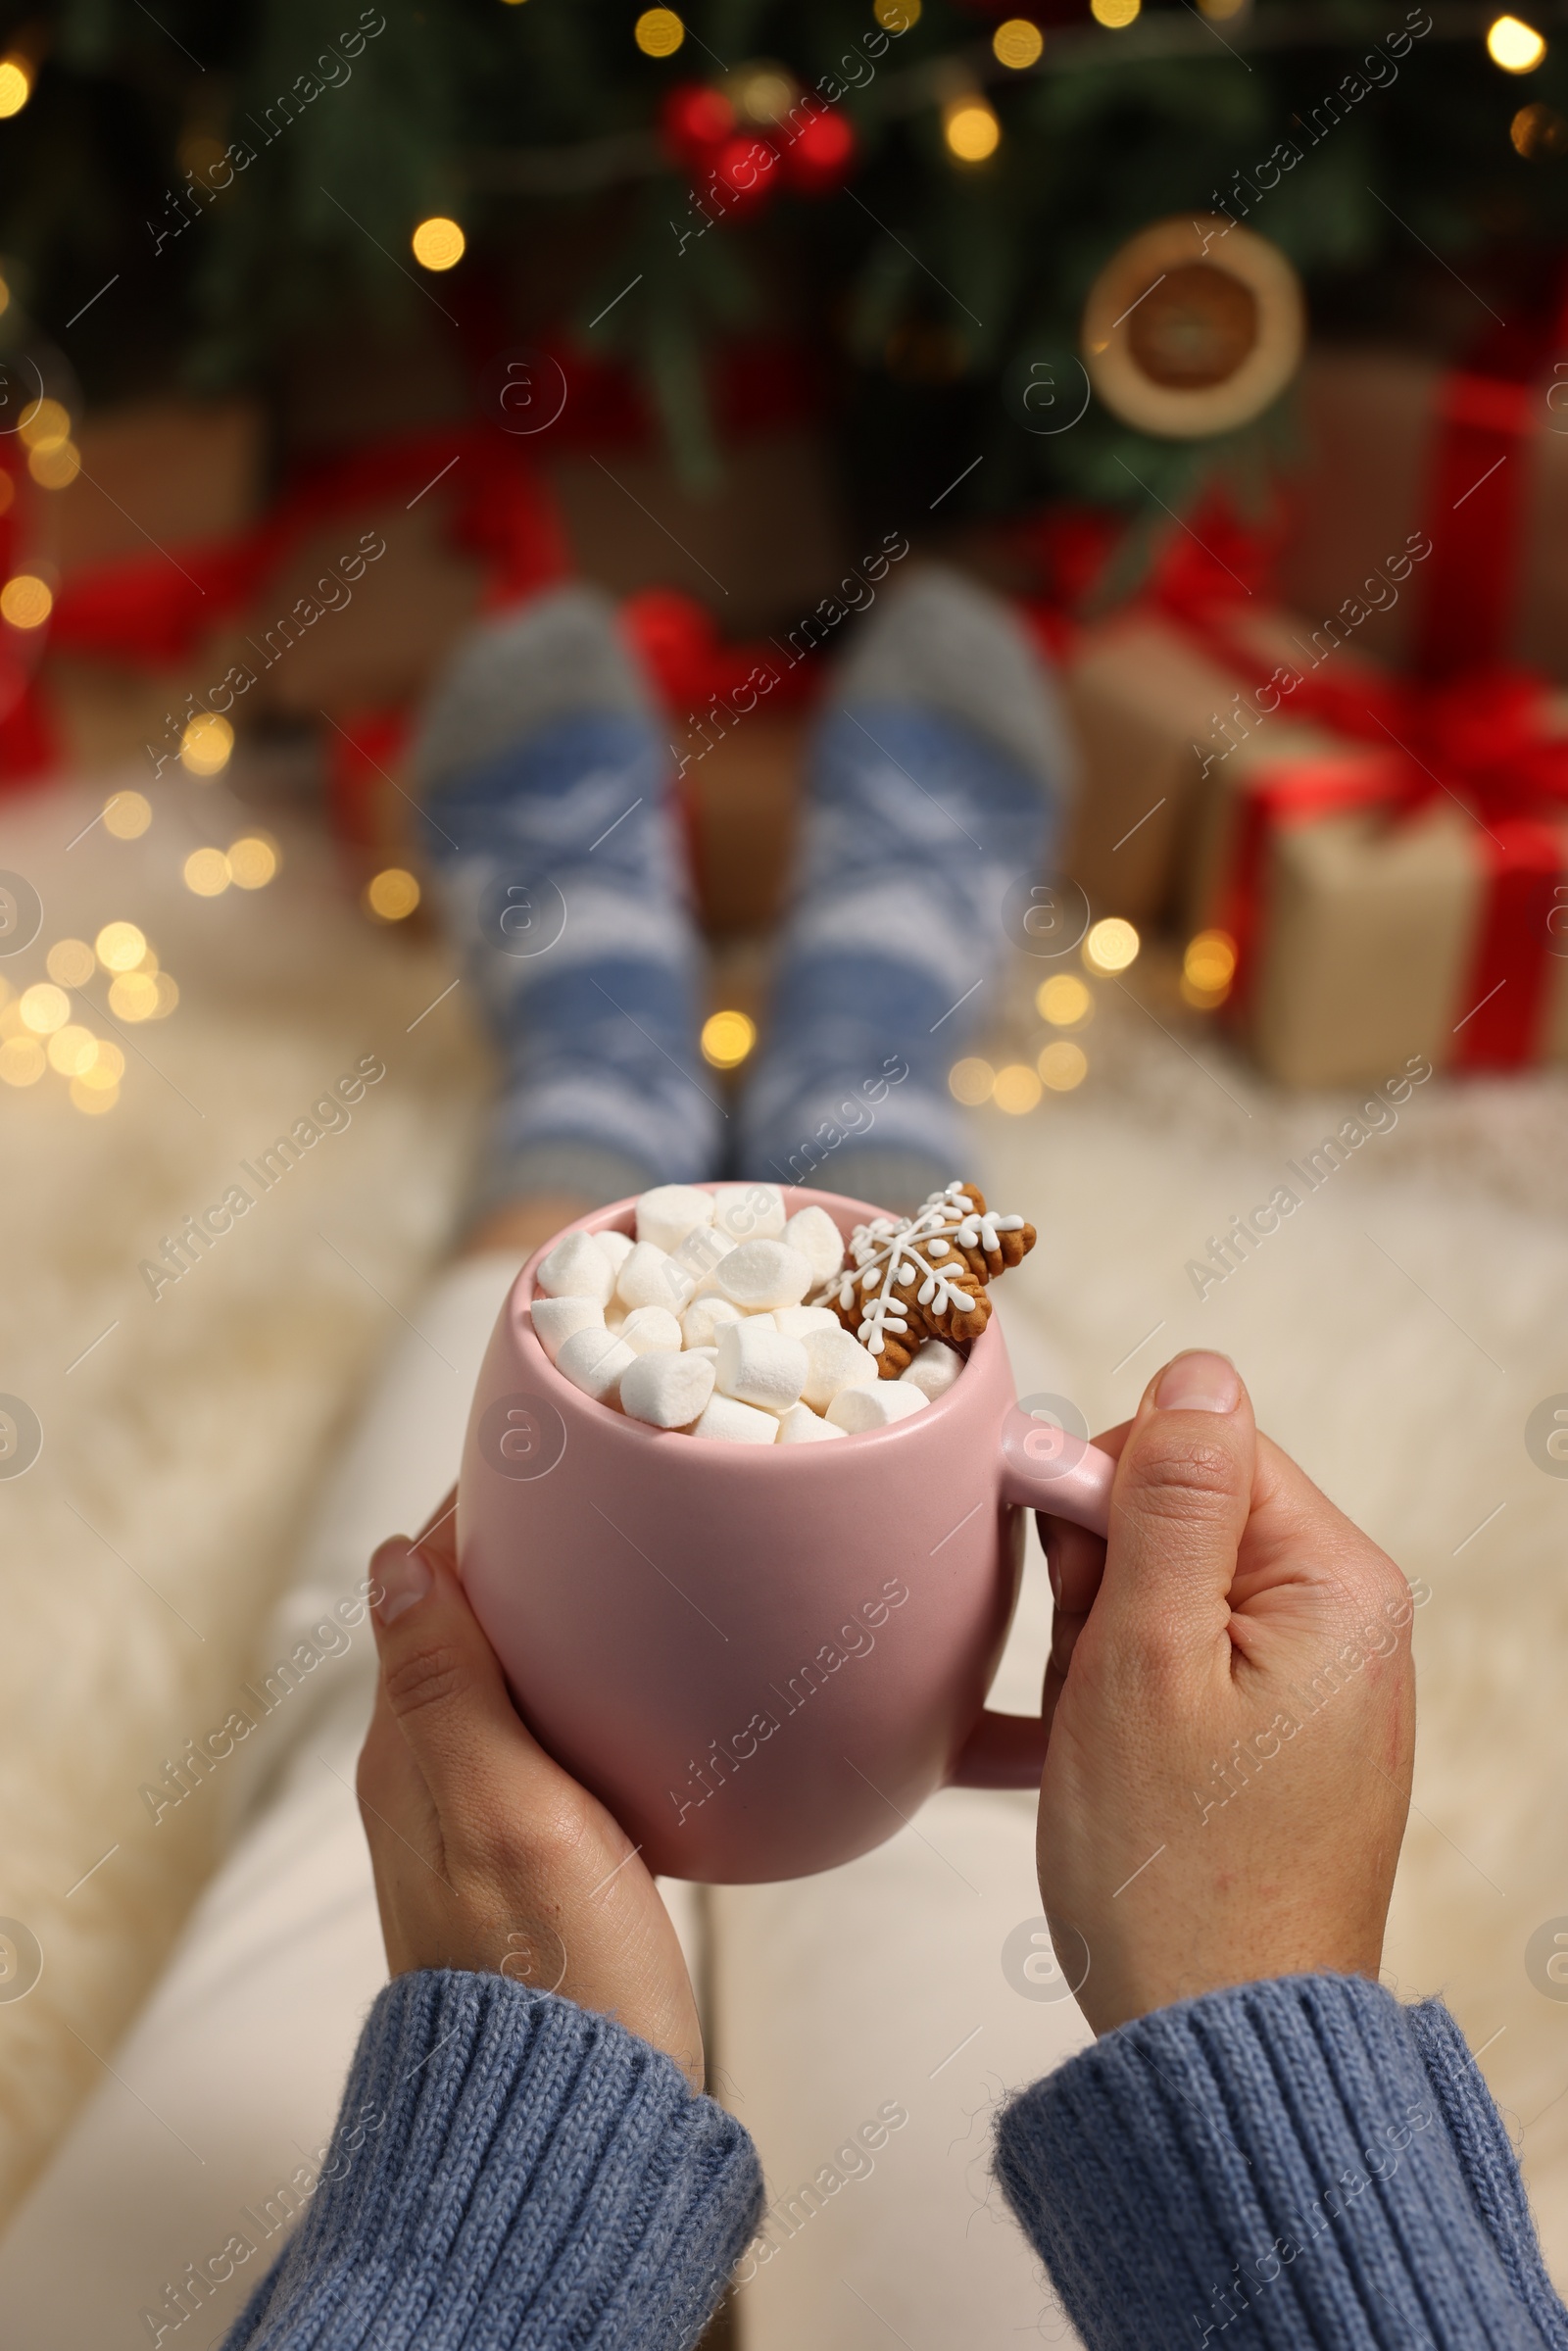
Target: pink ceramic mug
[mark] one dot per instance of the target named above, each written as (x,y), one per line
(764,1660)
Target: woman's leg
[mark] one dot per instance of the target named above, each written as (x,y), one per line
(939,777)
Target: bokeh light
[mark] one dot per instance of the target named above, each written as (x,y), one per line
(42,422)
(727,1039)
(1515,46)
(15,87)
(1111,945)
(438,243)
(23,1061)
(44,1008)
(70,962)
(134,996)
(25,600)
(106,1068)
(253,860)
(1016,1089)
(1062,1065)
(72,1050)
(392,894)
(1017,44)
(971,129)
(206,744)
(1064,999)
(54,465)
(658,32)
(92,1100)
(970,1081)
(205,873)
(119,947)
(1114,14)
(1208,967)
(128,814)
(897,16)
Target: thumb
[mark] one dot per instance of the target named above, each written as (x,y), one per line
(439,1675)
(1179,1505)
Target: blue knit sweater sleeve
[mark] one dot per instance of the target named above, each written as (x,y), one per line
(1305,2162)
(510,2173)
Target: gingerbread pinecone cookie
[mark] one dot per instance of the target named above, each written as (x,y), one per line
(924,1277)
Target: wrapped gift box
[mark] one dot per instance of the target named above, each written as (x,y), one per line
(1390,859)
(1478,460)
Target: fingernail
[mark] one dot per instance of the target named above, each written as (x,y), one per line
(1198,1383)
(405,1576)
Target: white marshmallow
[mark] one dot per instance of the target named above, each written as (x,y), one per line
(703,1317)
(615,1315)
(652,1278)
(749,1212)
(709,1355)
(667,1213)
(801,1426)
(796,1321)
(835,1361)
(736,1424)
(820,1243)
(650,1330)
(576,1267)
(934,1369)
(617,1248)
(666,1387)
(762,1274)
(594,1362)
(555,1318)
(759,1367)
(855,1411)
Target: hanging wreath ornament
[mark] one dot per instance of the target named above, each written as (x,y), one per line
(1194,328)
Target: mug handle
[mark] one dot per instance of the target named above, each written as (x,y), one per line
(1050,1469)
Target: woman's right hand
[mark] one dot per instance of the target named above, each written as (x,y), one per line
(1233,1709)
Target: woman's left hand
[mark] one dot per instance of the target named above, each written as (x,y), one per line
(487,1855)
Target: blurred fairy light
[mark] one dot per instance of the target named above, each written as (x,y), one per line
(1016,1089)
(727,1038)
(1063,1001)
(971,131)
(25,600)
(205,873)
(253,860)
(1017,44)
(658,32)
(1114,14)
(1515,46)
(128,814)
(1111,945)
(44,1007)
(1208,967)
(119,947)
(1062,1065)
(71,962)
(206,744)
(970,1081)
(392,895)
(15,87)
(438,243)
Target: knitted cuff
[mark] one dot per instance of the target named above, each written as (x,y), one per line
(1277,2149)
(510,2170)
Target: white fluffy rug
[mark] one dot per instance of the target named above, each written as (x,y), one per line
(139,1554)
(1395,1333)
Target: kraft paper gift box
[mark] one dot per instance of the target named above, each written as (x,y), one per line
(1478,460)
(1156,699)
(1381,911)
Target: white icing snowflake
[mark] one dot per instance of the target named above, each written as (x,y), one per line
(892,1255)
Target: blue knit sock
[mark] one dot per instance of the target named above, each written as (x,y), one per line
(937,779)
(546,784)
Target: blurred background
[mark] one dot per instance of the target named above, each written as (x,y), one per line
(1230,341)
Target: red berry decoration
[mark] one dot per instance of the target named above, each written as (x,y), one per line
(696,122)
(820,156)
